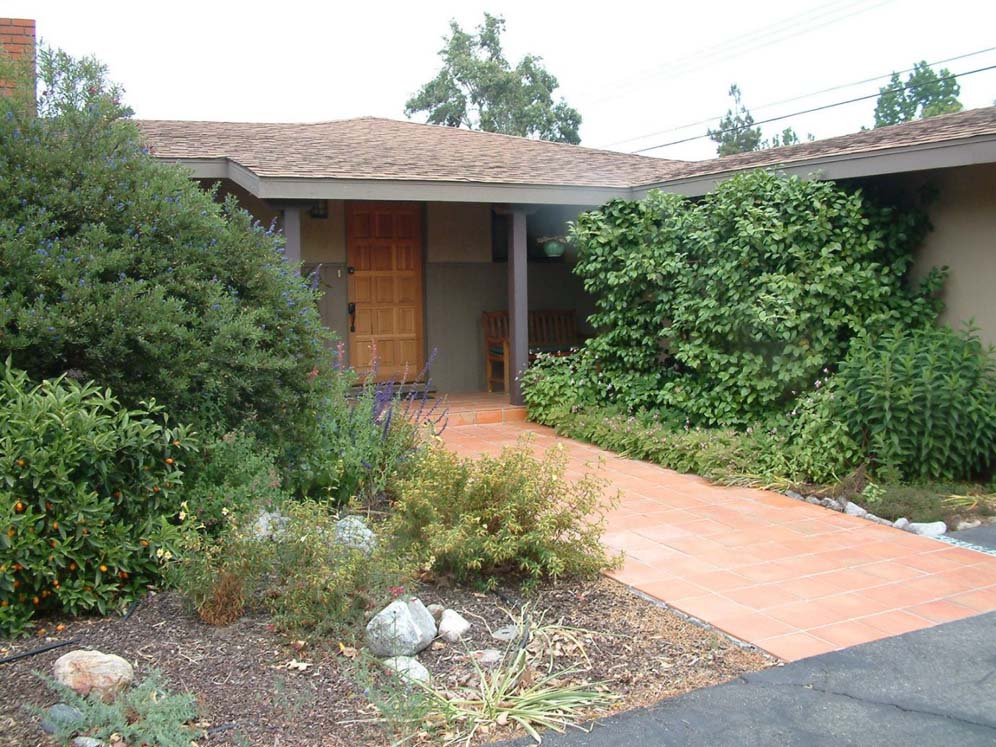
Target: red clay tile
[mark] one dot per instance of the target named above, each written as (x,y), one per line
(848,633)
(942,610)
(753,626)
(896,622)
(794,646)
(762,597)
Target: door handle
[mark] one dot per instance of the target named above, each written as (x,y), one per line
(351,310)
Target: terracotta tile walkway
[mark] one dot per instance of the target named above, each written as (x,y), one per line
(792,578)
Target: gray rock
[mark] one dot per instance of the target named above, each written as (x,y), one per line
(486,657)
(878,520)
(963,525)
(508,633)
(269,525)
(793,494)
(92,671)
(831,503)
(87,742)
(452,626)
(436,610)
(403,628)
(407,668)
(853,509)
(353,532)
(928,529)
(814,499)
(60,717)
(901,523)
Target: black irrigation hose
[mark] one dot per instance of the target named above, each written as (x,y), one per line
(42,650)
(132,608)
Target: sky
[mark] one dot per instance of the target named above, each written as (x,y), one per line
(638,72)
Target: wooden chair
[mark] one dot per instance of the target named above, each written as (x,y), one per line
(550,331)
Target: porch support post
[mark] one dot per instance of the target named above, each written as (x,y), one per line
(292,233)
(518,303)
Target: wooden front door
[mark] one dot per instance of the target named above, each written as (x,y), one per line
(384,255)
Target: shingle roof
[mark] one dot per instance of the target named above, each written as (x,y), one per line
(943,128)
(372,148)
(384,149)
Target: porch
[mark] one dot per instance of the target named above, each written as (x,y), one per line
(481,408)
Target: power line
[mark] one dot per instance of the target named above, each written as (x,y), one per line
(798,98)
(765,36)
(816,109)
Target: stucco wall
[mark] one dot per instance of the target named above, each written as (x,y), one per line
(964,239)
(457,232)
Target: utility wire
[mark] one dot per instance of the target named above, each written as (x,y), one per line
(824,15)
(800,97)
(814,109)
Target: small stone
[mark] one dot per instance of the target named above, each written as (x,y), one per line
(901,523)
(814,499)
(508,633)
(793,494)
(878,520)
(853,509)
(452,626)
(269,525)
(436,610)
(60,717)
(928,528)
(93,671)
(969,524)
(407,668)
(87,742)
(486,657)
(403,628)
(831,503)
(353,532)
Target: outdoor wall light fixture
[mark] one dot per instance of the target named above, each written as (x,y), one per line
(319,209)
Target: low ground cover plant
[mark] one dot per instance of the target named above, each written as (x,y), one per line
(511,515)
(88,492)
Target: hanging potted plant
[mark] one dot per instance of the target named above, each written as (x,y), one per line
(553,246)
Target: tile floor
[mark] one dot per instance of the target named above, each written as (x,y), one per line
(792,578)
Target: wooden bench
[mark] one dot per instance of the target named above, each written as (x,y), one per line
(552,331)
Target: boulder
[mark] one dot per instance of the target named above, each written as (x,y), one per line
(353,532)
(61,717)
(408,668)
(452,626)
(436,610)
(94,672)
(853,509)
(928,529)
(403,628)
(269,525)
(901,523)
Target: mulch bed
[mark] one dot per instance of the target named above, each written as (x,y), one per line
(248,695)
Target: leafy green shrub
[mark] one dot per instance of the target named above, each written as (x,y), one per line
(722,308)
(231,474)
(118,268)
(86,489)
(556,382)
(922,402)
(514,514)
(312,585)
(146,714)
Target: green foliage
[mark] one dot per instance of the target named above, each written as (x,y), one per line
(118,268)
(725,309)
(924,94)
(922,402)
(477,88)
(736,132)
(229,474)
(557,382)
(312,585)
(514,514)
(86,489)
(146,714)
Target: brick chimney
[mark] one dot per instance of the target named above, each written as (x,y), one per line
(17,37)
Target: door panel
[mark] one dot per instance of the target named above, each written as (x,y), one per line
(384,252)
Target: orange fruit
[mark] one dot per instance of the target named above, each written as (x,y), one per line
(169,460)
(21,462)
(19,507)
(103,568)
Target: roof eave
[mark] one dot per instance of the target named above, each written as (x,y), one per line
(313,188)
(921,157)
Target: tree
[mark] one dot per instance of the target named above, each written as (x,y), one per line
(478,89)
(736,133)
(924,94)
(118,268)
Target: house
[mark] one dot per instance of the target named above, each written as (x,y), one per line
(415,230)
